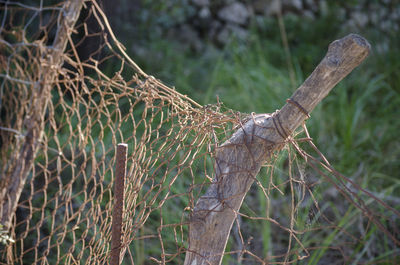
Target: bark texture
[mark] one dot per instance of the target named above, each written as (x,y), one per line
(240,158)
(51,61)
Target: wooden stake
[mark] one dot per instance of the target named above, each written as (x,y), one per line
(119,187)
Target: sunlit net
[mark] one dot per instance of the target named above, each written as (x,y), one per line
(63,111)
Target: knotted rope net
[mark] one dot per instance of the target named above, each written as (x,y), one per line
(69,94)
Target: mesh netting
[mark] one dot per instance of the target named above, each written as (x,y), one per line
(62,116)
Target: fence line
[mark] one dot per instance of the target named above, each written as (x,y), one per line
(69,93)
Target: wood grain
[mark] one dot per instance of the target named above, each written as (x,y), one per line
(239,159)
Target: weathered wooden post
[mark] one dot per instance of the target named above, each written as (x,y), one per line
(239,159)
(50,61)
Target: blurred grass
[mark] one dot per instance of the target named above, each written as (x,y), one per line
(356,126)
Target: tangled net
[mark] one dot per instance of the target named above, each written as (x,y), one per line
(62,115)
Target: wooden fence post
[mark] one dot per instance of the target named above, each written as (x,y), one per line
(239,159)
(13,183)
(119,188)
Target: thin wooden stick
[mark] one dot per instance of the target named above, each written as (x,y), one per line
(119,187)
